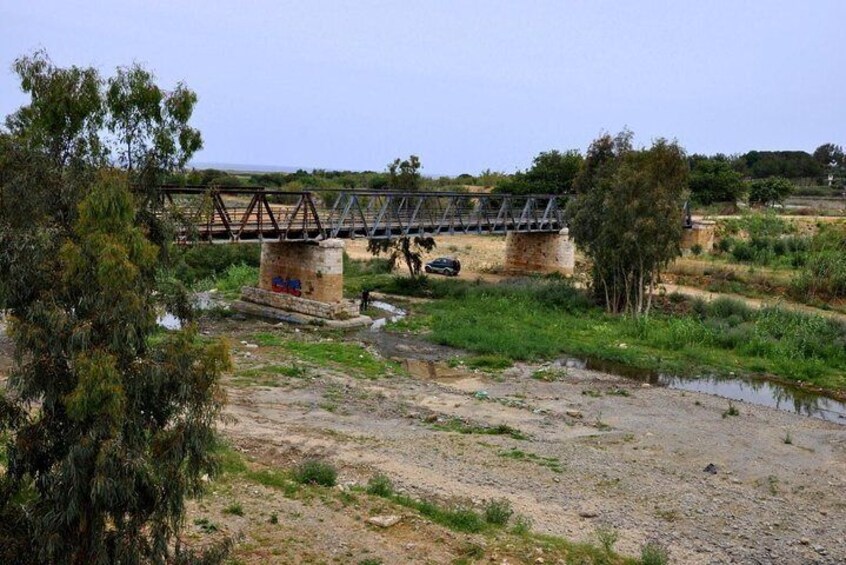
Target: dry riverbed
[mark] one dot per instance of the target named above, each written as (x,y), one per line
(584,450)
(593,450)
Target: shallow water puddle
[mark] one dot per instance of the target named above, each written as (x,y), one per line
(762,392)
(396,314)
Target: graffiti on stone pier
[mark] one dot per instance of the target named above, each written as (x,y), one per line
(287,286)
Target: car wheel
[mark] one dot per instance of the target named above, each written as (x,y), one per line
(428,269)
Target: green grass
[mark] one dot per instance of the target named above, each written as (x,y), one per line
(380,485)
(490,362)
(459,426)
(544,319)
(229,282)
(348,357)
(498,512)
(234,509)
(551,463)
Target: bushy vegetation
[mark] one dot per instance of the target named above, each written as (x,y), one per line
(315,472)
(823,275)
(498,512)
(542,319)
(770,191)
(764,239)
(198,262)
(230,281)
(714,180)
(552,172)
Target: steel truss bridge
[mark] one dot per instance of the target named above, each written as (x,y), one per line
(232,215)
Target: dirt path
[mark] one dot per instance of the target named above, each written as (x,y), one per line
(635,460)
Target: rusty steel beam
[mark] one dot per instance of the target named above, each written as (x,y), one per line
(237,214)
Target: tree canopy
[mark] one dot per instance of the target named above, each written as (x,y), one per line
(715,180)
(123,425)
(769,191)
(552,172)
(627,217)
(403,175)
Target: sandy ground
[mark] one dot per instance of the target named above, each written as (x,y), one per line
(634,460)
(480,255)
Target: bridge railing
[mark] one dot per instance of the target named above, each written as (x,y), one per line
(234,214)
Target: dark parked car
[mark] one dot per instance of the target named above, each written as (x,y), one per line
(444,266)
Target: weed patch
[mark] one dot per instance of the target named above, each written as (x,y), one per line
(234,509)
(459,426)
(315,472)
(551,463)
(498,512)
(348,357)
(380,485)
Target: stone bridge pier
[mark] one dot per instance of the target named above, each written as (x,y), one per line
(540,252)
(305,278)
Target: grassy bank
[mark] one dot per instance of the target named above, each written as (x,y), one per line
(534,319)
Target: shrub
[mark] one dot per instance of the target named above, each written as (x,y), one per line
(463,520)
(235,509)
(316,472)
(728,307)
(498,512)
(654,553)
(769,191)
(522,525)
(607,537)
(380,485)
(696,249)
(199,262)
(725,244)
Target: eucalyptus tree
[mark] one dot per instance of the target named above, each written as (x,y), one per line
(627,217)
(109,425)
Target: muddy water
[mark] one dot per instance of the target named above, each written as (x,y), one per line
(754,391)
(761,392)
(396,314)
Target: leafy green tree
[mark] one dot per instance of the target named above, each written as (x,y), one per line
(552,172)
(404,176)
(787,164)
(770,191)
(715,180)
(829,155)
(109,430)
(627,217)
(408,249)
(150,124)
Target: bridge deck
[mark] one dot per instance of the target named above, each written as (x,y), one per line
(226,214)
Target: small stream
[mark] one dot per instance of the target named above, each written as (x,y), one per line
(763,392)
(396,314)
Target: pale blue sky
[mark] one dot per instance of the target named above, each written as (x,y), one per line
(464,85)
